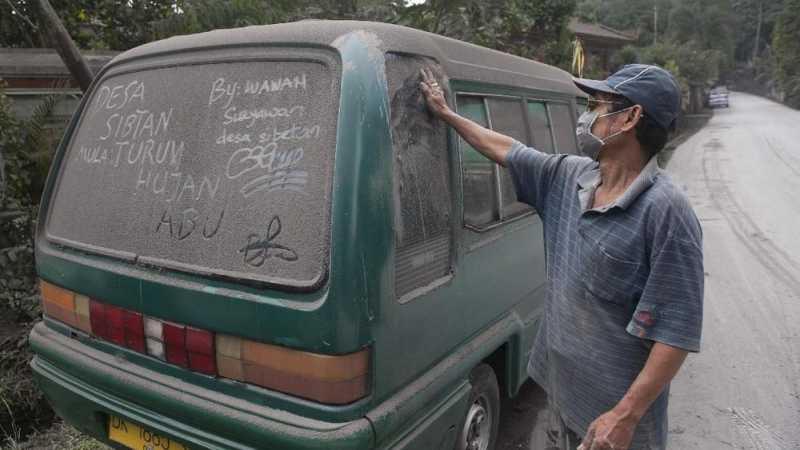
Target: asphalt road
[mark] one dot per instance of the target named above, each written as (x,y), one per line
(742,391)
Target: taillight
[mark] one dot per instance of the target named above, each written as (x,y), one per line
(200,347)
(331,379)
(65,306)
(154,338)
(175,344)
(115,325)
(134,330)
(338,379)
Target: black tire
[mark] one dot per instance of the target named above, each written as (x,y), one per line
(484,399)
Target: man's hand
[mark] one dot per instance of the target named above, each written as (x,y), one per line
(491,144)
(434,94)
(610,431)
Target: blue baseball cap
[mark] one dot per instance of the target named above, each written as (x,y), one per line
(649,86)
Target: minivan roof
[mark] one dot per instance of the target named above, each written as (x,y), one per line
(461,60)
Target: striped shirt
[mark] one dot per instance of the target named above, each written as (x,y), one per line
(619,277)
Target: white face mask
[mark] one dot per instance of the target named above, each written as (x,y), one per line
(589,144)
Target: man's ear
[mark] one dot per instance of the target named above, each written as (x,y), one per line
(635,114)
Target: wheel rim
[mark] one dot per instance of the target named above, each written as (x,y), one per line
(477,430)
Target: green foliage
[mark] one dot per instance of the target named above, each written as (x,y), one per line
(23,407)
(631,15)
(108,24)
(746,13)
(25,150)
(786,44)
(27,147)
(701,40)
(626,55)
(60,436)
(530,29)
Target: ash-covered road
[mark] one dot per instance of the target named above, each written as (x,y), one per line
(742,174)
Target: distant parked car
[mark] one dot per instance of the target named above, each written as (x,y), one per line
(718,97)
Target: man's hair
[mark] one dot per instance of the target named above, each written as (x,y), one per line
(651,136)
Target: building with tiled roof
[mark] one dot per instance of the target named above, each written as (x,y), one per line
(599,43)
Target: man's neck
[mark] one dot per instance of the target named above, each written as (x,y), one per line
(617,172)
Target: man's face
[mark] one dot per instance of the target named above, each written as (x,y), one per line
(605,124)
(613,114)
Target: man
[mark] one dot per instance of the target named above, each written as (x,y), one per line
(625,264)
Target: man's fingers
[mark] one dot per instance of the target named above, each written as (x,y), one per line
(426,77)
(423,75)
(431,78)
(425,89)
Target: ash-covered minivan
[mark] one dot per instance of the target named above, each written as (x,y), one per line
(260,238)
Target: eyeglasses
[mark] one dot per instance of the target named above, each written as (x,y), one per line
(595,103)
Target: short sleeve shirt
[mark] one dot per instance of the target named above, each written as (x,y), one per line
(619,278)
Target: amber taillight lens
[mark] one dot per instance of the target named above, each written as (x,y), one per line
(65,306)
(329,379)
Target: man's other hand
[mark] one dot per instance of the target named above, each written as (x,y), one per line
(610,431)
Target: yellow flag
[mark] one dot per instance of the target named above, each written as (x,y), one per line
(578,58)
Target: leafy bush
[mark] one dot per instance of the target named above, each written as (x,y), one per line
(26,152)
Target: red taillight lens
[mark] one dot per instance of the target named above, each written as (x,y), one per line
(175,344)
(97,317)
(200,346)
(134,331)
(115,324)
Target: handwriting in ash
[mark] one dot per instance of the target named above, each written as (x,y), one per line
(182,224)
(276,169)
(259,249)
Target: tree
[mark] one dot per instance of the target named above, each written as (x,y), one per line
(530,29)
(755,20)
(786,45)
(112,24)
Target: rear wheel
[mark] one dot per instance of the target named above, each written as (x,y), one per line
(479,427)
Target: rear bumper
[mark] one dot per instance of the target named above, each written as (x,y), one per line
(192,415)
(718,102)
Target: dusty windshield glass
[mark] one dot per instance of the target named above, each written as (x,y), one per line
(222,169)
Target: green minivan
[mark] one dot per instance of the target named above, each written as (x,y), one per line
(261,238)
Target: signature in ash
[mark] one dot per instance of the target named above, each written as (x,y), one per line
(261,248)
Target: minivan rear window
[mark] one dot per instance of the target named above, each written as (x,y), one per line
(222,169)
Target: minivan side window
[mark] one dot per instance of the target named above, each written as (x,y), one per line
(564,128)
(489,194)
(581,105)
(506,116)
(539,121)
(479,179)
(421,180)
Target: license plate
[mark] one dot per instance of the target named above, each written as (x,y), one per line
(133,436)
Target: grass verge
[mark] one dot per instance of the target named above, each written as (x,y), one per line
(59,436)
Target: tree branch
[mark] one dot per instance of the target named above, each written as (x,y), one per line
(66,48)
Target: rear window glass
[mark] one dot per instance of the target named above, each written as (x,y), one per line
(220,169)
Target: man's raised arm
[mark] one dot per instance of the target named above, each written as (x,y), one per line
(491,144)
